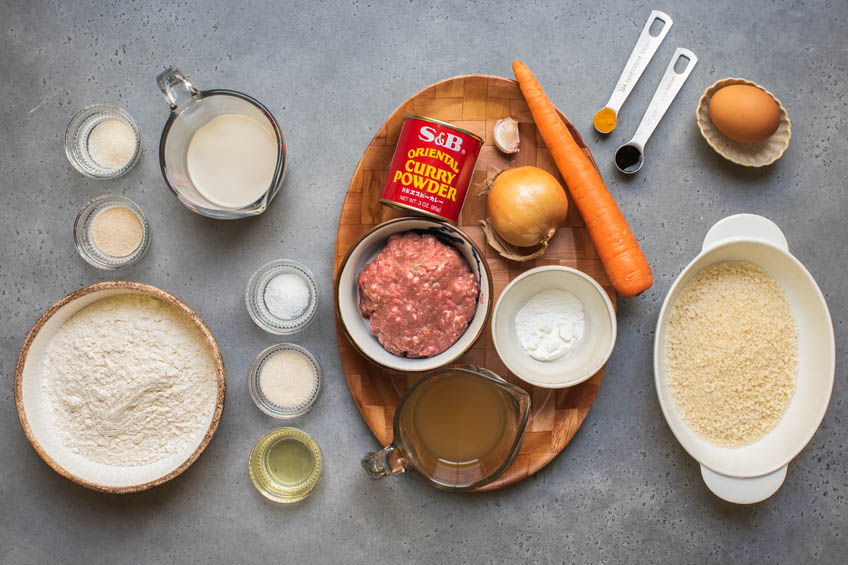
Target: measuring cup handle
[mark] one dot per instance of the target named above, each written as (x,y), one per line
(176,89)
(641,55)
(670,85)
(383,463)
(484,371)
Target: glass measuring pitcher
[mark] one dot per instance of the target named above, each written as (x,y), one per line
(244,189)
(458,428)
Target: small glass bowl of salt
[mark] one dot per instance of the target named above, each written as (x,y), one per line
(282,297)
(284,380)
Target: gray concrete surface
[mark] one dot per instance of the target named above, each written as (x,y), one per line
(623,490)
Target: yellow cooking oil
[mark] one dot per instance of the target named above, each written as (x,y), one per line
(290,462)
(286,465)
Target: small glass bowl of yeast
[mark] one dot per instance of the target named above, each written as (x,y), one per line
(111,232)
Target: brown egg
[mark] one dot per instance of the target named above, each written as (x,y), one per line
(744,113)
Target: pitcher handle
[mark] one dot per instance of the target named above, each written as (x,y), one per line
(383,463)
(484,371)
(176,89)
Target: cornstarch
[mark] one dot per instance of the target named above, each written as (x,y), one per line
(550,324)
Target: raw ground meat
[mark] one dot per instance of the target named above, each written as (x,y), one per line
(419,294)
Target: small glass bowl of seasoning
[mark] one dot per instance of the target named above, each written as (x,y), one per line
(286,465)
(282,297)
(285,380)
(102,141)
(111,232)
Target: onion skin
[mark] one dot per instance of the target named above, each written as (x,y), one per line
(526,206)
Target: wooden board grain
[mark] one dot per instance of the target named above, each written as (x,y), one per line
(475,103)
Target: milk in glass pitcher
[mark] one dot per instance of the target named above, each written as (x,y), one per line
(222,152)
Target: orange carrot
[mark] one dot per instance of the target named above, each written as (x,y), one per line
(624,261)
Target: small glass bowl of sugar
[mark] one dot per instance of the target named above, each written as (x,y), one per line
(102,141)
(285,380)
(282,297)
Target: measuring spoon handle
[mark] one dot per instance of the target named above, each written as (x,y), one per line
(642,54)
(670,85)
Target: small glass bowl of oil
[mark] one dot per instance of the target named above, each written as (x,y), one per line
(286,465)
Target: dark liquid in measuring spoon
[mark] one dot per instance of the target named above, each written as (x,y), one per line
(459,428)
(628,158)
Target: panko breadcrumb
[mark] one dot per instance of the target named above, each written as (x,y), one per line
(731,353)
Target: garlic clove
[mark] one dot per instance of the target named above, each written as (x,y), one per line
(506,135)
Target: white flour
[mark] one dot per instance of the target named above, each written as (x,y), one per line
(129,380)
(550,324)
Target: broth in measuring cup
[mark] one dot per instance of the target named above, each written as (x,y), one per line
(459,419)
(458,428)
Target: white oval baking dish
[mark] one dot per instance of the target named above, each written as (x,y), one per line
(754,472)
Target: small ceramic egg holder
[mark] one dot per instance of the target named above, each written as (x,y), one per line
(745,154)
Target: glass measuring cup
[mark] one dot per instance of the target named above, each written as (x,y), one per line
(191,110)
(457,428)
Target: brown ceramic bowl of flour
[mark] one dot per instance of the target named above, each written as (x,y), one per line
(103,411)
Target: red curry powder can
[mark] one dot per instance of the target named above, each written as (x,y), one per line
(431,168)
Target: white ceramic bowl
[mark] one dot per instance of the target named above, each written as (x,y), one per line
(754,472)
(36,422)
(363,251)
(588,355)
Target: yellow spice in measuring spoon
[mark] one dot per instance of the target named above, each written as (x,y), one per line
(605,120)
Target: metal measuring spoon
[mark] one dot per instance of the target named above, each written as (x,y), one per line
(647,44)
(630,156)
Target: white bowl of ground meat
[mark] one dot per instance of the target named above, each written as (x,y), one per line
(413,294)
(744,358)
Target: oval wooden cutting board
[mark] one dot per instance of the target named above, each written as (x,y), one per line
(475,103)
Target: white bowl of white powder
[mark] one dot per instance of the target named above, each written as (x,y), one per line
(554,326)
(119,386)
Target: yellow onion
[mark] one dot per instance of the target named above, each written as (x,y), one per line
(526,206)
